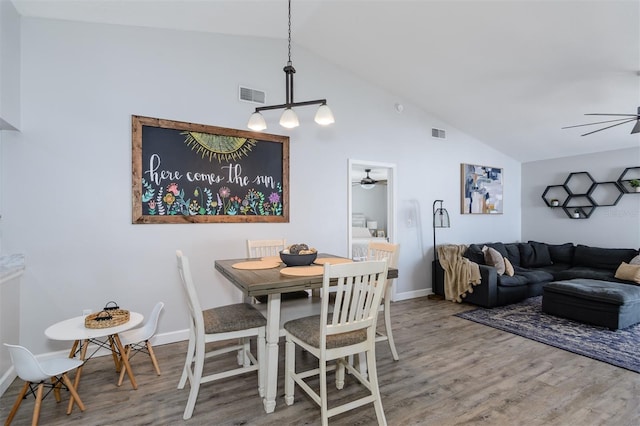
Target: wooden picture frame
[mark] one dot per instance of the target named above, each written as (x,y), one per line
(194,173)
(481,189)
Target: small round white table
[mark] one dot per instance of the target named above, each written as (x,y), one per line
(74,329)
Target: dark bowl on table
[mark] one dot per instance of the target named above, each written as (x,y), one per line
(298,259)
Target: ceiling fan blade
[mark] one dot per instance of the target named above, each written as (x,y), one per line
(597,122)
(636,128)
(621,115)
(608,127)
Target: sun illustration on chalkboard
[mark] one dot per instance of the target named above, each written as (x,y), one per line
(219,147)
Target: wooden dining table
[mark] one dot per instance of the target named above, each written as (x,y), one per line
(271,283)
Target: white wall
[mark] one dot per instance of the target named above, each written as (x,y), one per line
(67,176)
(615,226)
(372,203)
(9,65)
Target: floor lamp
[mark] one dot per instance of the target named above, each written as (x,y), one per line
(440,220)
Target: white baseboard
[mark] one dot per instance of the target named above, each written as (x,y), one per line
(7,378)
(412,294)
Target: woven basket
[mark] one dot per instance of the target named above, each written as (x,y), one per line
(110,316)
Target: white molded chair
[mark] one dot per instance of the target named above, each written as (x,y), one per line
(350,329)
(388,252)
(139,339)
(35,373)
(238,321)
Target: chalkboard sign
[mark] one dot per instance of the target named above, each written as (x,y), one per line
(186,173)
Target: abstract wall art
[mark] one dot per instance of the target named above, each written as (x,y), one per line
(482,189)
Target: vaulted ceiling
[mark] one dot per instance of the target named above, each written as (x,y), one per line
(509,73)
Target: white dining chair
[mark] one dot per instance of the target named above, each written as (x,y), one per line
(265,248)
(389,252)
(349,329)
(238,321)
(271,249)
(37,375)
(139,340)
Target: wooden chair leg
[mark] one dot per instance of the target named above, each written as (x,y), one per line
(188,361)
(74,393)
(36,408)
(290,368)
(16,405)
(153,357)
(262,363)
(375,390)
(56,388)
(387,327)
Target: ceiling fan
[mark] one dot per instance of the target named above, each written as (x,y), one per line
(628,118)
(368,182)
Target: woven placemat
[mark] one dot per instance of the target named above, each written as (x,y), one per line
(332,260)
(255,264)
(302,271)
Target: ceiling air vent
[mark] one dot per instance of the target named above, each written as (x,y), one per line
(438,133)
(252,95)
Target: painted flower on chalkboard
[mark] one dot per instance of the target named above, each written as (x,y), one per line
(173,188)
(274,197)
(152,207)
(224,192)
(194,208)
(169,198)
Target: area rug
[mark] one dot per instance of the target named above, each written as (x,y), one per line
(620,348)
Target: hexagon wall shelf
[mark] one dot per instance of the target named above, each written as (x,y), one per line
(580,194)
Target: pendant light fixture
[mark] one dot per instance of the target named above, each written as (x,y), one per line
(289,118)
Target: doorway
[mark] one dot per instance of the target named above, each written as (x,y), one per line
(371,206)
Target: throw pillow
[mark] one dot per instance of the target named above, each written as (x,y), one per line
(635,260)
(492,257)
(628,272)
(508,267)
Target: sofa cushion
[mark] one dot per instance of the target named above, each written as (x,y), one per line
(534,254)
(512,281)
(561,253)
(585,272)
(534,276)
(628,272)
(493,258)
(474,253)
(635,260)
(513,253)
(602,258)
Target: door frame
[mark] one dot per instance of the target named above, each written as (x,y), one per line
(391,201)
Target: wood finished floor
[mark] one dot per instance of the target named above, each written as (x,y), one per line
(451,372)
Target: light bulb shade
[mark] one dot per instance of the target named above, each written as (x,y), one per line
(256,122)
(367,185)
(324,116)
(289,119)
(441,218)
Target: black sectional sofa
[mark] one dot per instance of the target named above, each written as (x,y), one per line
(536,264)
